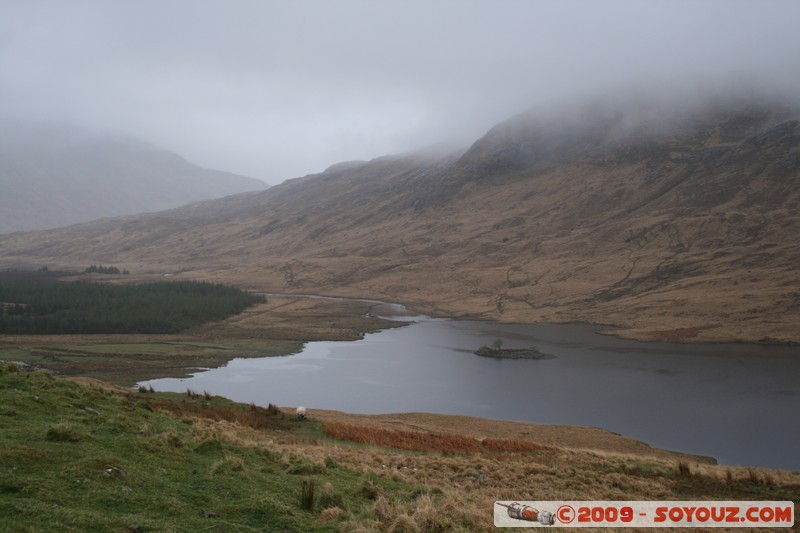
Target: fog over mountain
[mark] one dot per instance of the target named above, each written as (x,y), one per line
(54,175)
(675,223)
(653,183)
(277,90)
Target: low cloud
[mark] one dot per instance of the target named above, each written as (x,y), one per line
(276,90)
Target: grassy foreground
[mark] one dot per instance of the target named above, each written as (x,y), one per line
(91,457)
(78,458)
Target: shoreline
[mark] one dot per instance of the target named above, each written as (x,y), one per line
(311,305)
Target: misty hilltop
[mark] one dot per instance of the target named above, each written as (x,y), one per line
(53,176)
(675,223)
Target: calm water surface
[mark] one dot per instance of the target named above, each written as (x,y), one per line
(736,402)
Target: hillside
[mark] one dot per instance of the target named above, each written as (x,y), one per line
(671,223)
(53,176)
(89,456)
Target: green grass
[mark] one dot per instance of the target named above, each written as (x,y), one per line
(74,458)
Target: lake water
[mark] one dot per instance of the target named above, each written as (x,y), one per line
(738,403)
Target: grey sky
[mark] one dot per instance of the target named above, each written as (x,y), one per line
(275,90)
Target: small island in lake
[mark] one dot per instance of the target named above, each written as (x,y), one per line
(510,353)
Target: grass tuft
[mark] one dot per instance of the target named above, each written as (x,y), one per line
(403,524)
(682,470)
(305,468)
(330,514)
(209,447)
(384,510)
(66,432)
(329,498)
(229,463)
(369,489)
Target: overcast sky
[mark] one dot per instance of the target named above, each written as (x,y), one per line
(276,90)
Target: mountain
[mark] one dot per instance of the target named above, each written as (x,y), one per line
(670,223)
(53,176)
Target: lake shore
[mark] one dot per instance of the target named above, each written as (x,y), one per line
(279,327)
(282,326)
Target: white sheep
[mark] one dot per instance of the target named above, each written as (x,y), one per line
(301,412)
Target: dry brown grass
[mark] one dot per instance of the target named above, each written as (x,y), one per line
(296,318)
(426,441)
(470,482)
(562,437)
(475,479)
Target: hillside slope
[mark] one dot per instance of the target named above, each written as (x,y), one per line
(56,176)
(671,225)
(92,457)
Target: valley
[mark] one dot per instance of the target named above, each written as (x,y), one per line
(680,230)
(399,267)
(685,231)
